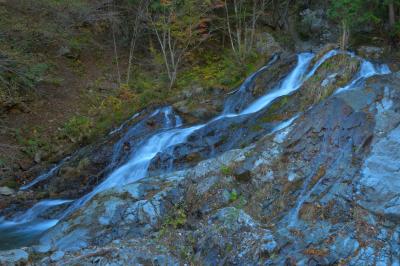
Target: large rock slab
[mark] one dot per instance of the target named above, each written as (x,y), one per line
(380,181)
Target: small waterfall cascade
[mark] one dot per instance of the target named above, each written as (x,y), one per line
(171,133)
(46,175)
(24,228)
(367,70)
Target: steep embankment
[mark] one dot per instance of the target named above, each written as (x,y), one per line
(54,68)
(295,177)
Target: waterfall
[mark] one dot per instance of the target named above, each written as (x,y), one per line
(293,81)
(46,175)
(136,168)
(367,70)
(25,227)
(173,133)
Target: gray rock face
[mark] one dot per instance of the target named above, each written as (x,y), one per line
(13,257)
(380,181)
(315,25)
(56,256)
(233,230)
(41,248)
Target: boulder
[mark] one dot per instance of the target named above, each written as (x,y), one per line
(371,52)
(56,256)
(40,249)
(68,52)
(265,43)
(314,25)
(6,191)
(242,174)
(13,257)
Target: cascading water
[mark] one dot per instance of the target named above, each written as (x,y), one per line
(290,84)
(170,121)
(136,168)
(118,129)
(367,70)
(25,227)
(171,134)
(46,175)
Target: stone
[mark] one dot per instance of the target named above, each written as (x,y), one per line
(138,190)
(329,80)
(13,257)
(67,52)
(42,248)
(25,164)
(56,256)
(242,174)
(111,210)
(314,25)
(265,43)
(380,181)
(269,245)
(344,246)
(6,191)
(371,52)
(73,241)
(38,157)
(206,184)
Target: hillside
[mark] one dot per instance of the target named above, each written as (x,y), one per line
(199,132)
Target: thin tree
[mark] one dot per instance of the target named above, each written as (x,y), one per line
(138,13)
(112,17)
(392,14)
(241,25)
(175,26)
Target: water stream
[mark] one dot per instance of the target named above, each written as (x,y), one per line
(46,175)
(172,133)
(26,227)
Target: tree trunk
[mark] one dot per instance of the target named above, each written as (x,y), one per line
(392,16)
(345,35)
(392,24)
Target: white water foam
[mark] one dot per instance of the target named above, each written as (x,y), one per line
(367,70)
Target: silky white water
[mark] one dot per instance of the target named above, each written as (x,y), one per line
(290,84)
(367,70)
(45,175)
(25,227)
(173,134)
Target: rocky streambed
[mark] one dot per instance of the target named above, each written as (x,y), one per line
(301,170)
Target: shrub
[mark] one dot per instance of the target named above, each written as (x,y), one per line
(233,196)
(31,141)
(78,128)
(226,170)
(216,70)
